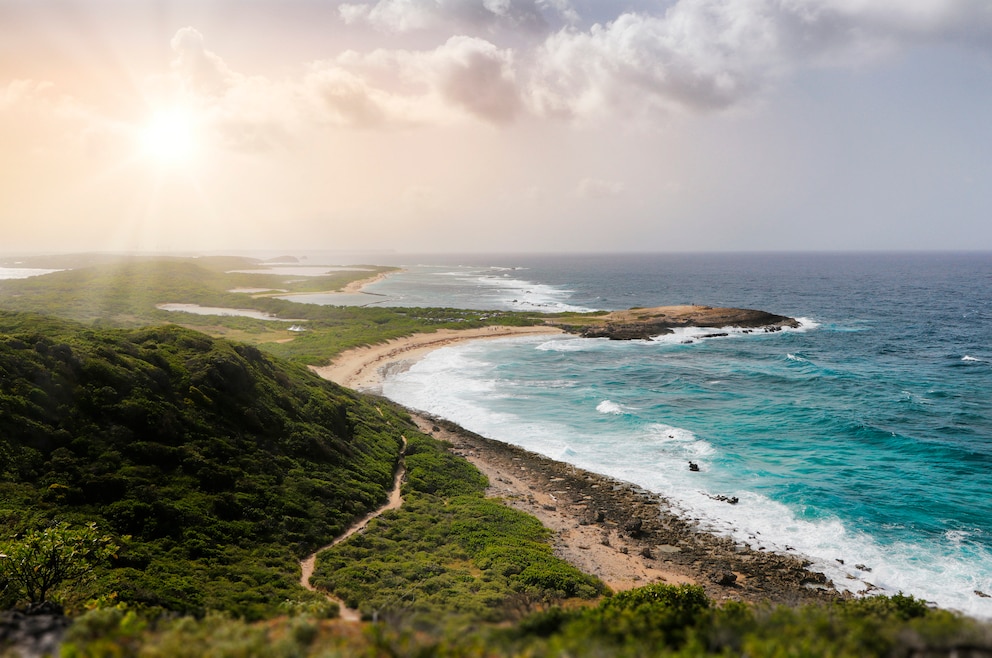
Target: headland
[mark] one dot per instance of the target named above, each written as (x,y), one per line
(644,323)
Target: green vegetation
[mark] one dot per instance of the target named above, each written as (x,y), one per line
(163,484)
(664,620)
(224,465)
(125,292)
(449,553)
(39,564)
(658,620)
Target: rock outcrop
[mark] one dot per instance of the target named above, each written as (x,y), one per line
(642,323)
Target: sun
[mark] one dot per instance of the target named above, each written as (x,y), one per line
(169,137)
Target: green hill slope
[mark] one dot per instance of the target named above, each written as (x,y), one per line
(223,464)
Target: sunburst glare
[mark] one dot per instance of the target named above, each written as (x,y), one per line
(170,137)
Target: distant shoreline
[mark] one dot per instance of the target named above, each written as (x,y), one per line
(356,287)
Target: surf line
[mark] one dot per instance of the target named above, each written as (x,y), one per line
(308,564)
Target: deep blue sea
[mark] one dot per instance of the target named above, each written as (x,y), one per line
(862,440)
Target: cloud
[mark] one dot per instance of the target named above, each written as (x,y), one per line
(478,77)
(472,15)
(200,70)
(692,56)
(706,55)
(464,77)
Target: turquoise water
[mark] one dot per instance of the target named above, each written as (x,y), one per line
(862,440)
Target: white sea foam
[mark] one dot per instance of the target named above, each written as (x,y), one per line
(570,344)
(609,407)
(528,296)
(459,383)
(680,443)
(516,294)
(969,358)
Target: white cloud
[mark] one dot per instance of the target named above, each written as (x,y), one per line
(200,70)
(478,77)
(702,55)
(694,56)
(471,15)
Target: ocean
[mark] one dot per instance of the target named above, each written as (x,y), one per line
(862,440)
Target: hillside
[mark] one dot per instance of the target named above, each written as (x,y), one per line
(223,464)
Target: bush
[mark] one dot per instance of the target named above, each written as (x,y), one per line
(41,563)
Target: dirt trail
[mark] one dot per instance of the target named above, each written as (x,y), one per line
(307,564)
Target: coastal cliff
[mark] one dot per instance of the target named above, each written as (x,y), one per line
(642,323)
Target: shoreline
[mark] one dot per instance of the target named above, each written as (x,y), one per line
(624,534)
(352,288)
(356,286)
(621,533)
(363,368)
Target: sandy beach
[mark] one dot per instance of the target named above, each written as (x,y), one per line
(615,530)
(363,368)
(357,285)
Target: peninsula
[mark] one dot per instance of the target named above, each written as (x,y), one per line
(643,323)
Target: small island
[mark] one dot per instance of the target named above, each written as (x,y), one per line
(644,323)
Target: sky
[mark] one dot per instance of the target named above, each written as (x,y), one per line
(495,125)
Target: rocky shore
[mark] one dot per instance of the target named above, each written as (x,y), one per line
(625,535)
(643,323)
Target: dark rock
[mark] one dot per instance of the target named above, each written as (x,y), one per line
(693,466)
(645,519)
(725,578)
(35,633)
(646,552)
(645,323)
(634,527)
(983,594)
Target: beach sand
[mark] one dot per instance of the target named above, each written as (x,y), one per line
(357,285)
(363,368)
(617,531)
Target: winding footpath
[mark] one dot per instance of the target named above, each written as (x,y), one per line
(307,564)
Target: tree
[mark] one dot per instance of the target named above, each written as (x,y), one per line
(40,562)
